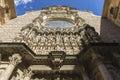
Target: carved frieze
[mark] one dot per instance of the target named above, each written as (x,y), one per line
(42,39)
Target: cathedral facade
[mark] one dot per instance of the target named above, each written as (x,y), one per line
(59,43)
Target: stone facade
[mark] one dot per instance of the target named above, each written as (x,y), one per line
(7,11)
(111,11)
(59,43)
(107,30)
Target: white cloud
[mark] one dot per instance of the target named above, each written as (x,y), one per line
(18,2)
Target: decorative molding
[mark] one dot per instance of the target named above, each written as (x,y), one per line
(15,59)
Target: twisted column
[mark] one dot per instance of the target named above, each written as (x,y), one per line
(14,60)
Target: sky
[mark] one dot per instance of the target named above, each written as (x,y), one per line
(95,6)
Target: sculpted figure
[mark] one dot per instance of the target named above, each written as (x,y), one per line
(37,38)
(42,42)
(50,42)
(29,39)
(58,39)
(43,38)
(51,38)
(66,42)
(66,38)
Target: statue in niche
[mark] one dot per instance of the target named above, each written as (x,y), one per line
(52,38)
(37,38)
(51,42)
(59,42)
(58,39)
(43,38)
(30,38)
(41,44)
(66,42)
(66,38)
(36,41)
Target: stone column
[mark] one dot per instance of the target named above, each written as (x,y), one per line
(100,67)
(83,72)
(85,76)
(27,74)
(14,60)
(103,71)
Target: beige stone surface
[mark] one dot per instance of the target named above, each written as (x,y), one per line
(91,19)
(115,17)
(12,28)
(107,30)
(7,11)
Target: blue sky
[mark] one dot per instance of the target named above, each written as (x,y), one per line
(95,6)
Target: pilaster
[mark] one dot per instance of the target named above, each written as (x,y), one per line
(14,60)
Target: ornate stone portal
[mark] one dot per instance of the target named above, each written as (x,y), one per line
(57,29)
(55,46)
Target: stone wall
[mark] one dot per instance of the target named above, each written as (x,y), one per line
(12,28)
(111,11)
(7,11)
(107,30)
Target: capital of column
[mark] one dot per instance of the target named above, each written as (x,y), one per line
(15,59)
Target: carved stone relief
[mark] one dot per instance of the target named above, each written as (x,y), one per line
(43,39)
